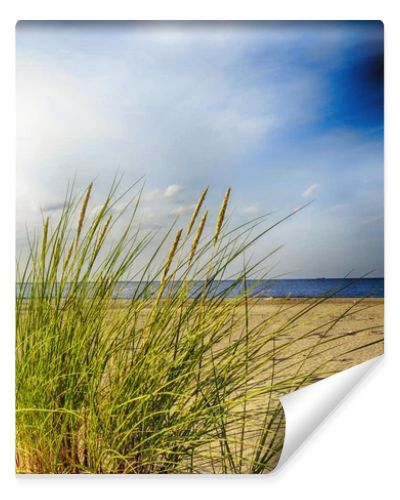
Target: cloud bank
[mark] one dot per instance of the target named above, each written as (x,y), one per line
(274,110)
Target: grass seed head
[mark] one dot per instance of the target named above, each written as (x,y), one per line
(103,234)
(197,210)
(197,237)
(172,253)
(83,211)
(68,257)
(221,215)
(44,239)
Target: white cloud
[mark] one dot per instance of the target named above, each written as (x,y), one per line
(182,108)
(54,207)
(140,107)
(172,190)
(251,210)
(182,209)
(169,192)
(153,195)
(309,191)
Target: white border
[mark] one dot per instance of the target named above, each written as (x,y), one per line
(354,453)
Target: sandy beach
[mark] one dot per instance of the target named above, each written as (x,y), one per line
(323,340)
(304,343)
(324,343)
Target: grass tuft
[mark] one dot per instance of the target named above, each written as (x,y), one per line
(175,379)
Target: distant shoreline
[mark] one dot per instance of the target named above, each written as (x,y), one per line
(332,288)
(287,300)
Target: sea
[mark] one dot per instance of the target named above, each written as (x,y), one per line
(276,288)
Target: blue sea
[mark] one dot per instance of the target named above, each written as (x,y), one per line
(295,288)
(279,288)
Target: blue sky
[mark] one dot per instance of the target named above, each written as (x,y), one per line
(284,112)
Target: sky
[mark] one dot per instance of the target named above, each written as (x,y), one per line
(283,112)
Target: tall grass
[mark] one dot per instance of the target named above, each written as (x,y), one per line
(171,380)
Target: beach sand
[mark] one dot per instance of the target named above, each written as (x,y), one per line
(314,347)
(325,339)
(329,338)
(308,343)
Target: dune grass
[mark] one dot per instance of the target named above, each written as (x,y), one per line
(176,380)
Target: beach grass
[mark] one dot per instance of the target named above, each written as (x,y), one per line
(171,381)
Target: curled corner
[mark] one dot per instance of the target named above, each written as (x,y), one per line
(305,409)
